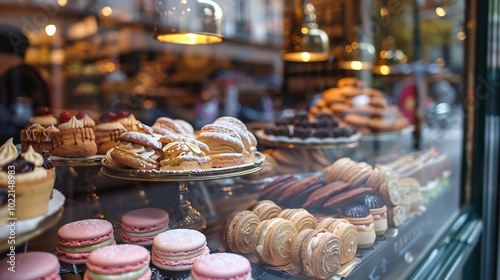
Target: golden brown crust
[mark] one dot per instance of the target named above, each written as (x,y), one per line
(74,143)
(141,138)
(131,159)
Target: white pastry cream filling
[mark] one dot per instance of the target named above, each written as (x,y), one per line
(131,275)
(132,147)
(260,248)
(311,246)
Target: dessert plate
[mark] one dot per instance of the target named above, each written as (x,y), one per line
(310,142)
(119,172)
(29,228)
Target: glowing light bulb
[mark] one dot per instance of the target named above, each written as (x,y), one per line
(50,29)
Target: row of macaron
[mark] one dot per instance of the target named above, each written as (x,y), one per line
(172,249)
(277,236)
(121,262)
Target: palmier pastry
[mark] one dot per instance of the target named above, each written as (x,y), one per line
(137,150)
(180,155)
(107,132)
(73,140)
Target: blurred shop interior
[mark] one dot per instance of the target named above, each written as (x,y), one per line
(102,55)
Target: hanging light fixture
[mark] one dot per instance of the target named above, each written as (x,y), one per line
(307,43)
(358,55)
(189,22)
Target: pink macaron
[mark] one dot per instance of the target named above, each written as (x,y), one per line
(177,249)
(223,266)
(118,262)
(77,239)
(140,226)
(30,266)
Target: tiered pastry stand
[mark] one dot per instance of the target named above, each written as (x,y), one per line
(189,216)
(85,168)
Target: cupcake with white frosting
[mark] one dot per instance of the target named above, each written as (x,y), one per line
(30,176)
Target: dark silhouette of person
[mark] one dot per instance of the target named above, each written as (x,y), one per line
(22,88)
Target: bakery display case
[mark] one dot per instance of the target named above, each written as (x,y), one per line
(378,162)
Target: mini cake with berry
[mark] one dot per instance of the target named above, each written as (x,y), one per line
(107,132)
(85,119)
(44,117)
(73,140)
(38,137)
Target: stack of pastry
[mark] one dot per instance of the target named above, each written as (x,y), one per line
(361,106)
(172,145)
(289,236)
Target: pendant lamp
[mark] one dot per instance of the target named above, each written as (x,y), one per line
(307,43)
(189,22)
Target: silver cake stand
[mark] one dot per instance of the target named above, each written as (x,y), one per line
(189,216)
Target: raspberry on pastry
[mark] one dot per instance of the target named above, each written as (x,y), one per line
(85,119)
(43,116)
